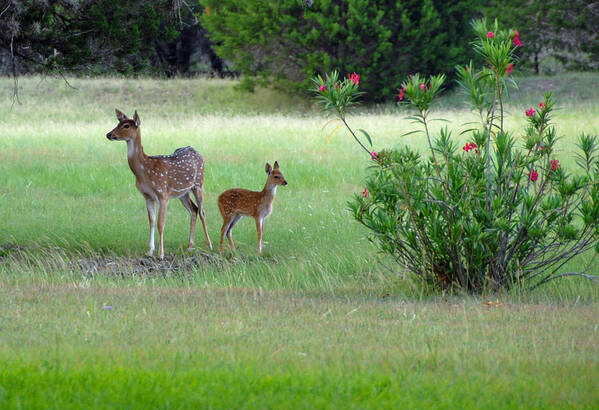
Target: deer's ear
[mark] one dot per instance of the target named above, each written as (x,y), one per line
(268,168)
(136,119)
(119,115)
(276,166)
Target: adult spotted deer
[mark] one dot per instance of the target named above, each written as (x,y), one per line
(162,177)
(238,202)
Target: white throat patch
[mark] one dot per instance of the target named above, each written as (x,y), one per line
(130,148)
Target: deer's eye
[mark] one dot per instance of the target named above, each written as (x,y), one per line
(126,126)
(276,176)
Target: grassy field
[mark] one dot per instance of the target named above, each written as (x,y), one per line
(317,321)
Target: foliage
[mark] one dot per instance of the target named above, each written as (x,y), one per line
(565,30)
(489,215)
(99,36)
(285,42)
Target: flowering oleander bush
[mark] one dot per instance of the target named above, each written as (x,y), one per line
(496,212)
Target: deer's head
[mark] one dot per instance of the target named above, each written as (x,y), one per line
(275,176)
(127,129)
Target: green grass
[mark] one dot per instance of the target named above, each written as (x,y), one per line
(318,321)
(249,348)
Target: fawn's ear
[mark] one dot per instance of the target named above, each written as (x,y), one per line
(276,166)
(119,115)
(268,168)
(136,119)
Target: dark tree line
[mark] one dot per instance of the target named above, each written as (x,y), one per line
(566,31)
(285,42)
(104,36)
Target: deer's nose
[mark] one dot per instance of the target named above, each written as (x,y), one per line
(285,182)
(109,136)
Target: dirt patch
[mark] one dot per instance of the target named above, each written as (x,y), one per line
(123,266)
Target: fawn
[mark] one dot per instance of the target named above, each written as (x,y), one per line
(162,177)
(238,202)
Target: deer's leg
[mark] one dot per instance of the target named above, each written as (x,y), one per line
(259,224)
(161,221)
(234,221)
(193,212)
(197,192)
(227,219)
(151,205)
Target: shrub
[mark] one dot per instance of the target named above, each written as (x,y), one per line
(286,42)
(490,214)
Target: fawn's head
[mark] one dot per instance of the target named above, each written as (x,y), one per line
(275,176)
(126,129)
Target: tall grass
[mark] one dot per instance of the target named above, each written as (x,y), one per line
(64,185)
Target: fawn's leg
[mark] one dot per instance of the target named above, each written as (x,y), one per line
(197,192)
(151,205)
(193,212)
(161,221)
(234,221)
(227,219)
(259,223)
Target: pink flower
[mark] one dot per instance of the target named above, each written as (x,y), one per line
(533,175)
(373,155)
(365,193)
(401,94)
(322,88)
(554,164)
(517,41)
(508,69)
(541,105)
(469,146)
(354,77)
(490,34)
(530,112)
(422,86)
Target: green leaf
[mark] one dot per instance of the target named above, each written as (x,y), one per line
(367,136)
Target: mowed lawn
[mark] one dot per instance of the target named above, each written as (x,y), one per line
(320,320)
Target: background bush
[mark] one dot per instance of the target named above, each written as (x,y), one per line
(287,42)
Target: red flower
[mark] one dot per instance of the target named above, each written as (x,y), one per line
(322,88)
(508,69)
(554,164)
(373,155)
(490,34)
(422,86)
(401,94)
(517,41)
(354,77)
(541,105)
(533,175)
(530,112)
(365,193)
(469,146)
